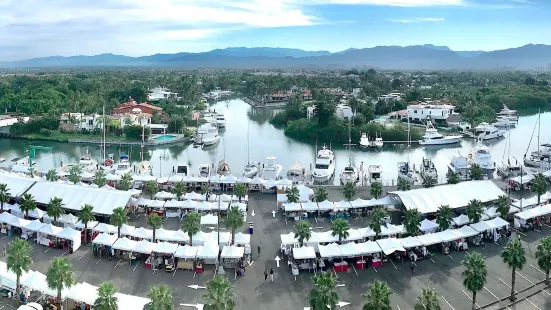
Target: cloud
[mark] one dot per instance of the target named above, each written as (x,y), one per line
(402,3)
(524,1)
(417,20)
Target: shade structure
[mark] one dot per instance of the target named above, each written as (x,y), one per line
(481,226)
(225,238)
(127,229)
(8,277)
(209,219)
(68,233)
(90,225)
(366,232)
(142,233)
(497,223)
(105,239)
(134,192)
(164,195)
(461,220)
(325,237)
(193,196)
(173,204)
(466,231)
(359,203)
(163,234)
(204,206)
(303,189)
(369,247)
(19,222)
(142,202)
(329,251)
(125,244)
(491,212)
(534,212)
(326,205)
(36,281)
(388,230)
(208,251)
(230,251)
(269,183)
(242,239)
(304,252)
(354,235)
(287,239)
(309,206)
(68,219)
(350,249)
(447,235)
(257,181)
(342,205)
(410,242)
(6,217)
(291,207)
(284,182)
(200,238)
(230,179)
(144,247)
(50,230)
(165,248)
(105,228)
(83,292)
(178,236)
(214,179)
(16,185)
(224,197)
(157,204)
(128,302)
(429,239)
(175,178)
(390,245)
(162,180)
(34,225)
(244,180)
(427,225)
(187,252)
(188,204)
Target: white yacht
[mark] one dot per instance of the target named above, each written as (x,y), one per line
(491,132)
(483,159)
(87,162)
(538,160)
(378,142)
(204,170)
(459,164)
(503,122)
(375,173)
(406,172)
(364,141)
(182,169)
(296,173)
(325,165)
(271,169)
(508,113)
(220,120)
(481,128)
(510,170)
(428,169)
(251,169)
(123,166)
(433,137)
(349,175)
(211,137)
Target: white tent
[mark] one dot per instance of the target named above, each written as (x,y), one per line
(208,251)
(178,236)
(16,185)
(257,181)
(524,203)
(50,230)
(326,205)
(224,197)
(164,195)
(105,228)
(522,179)
(244,180)
(354,235)
(497,223)
(289,238)
(142,202)
(428,226)
(165,248)
(113,177)
(232,252)
(134,192)
(447,235)
(90,225)
(204,206)
(350,249)
(305,252)
(69,233)
(285,182)
(19,222)
(142,233)
(390,245)
(34,225)
(128,302)
(173,203)
(225,238)
(186,251)
(6,217)
(491,212)
(230,179)
(126,230)
(175,178)
(36,281)
(326,236)
(342,205)
(269,183)
(200,238)
(390,229)
(214,179)
(83,292)
(68,219)
(241,238)
(144,247)
(8,278)
(156,204)
(291,207)
(359,203)
(368,247)
(329,251)
(429,239)
(410,242)
(366,232)
(163,234)
(309,206)
(105,239)
(481,226)
(466,231)
(461,220)
(193,196)
(188,204)
(209,219)
(125,244)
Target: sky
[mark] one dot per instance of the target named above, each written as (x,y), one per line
(39,28)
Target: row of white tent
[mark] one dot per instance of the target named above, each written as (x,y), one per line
(82,292)
(534,212)
(342,205)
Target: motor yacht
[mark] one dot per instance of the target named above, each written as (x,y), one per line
(364,141)
(182,169)
(211,137)
(460,165)
(375,173)
(223,168)
(406,172)
(250,170)
(204,170)
(123,166)
(220,120)
(87,162)
(538,160)
(483,158)
(491,132)
(296,173)
(146,168)
(428,170)
(481,128)
(508,113)
(378,142)
(502,122)
(349,175)
(271,169)
(325,165)
(510,170)
(433,137)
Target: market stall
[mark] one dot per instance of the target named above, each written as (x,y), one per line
(5,218)
(103,228)
(186,256)
(373,252)
(126,248)
(427,226)
(89,226)
(36,281)
(143,250)
(162,234)
(163,256)
(461,220)
(205,206)
(223,238)
(178,236)
(17,226)
(391,246)
(232,256)
(209,219)
(292,210)
(200,238)
(328,253)
(126,230)
(68,220)
(531,218)
(83,293)
(31,229)
(352,254)
(8,278)
(447,236)
(70,239)
(47,235)
(303,258)
(102,245)
(142,234)
(208,254)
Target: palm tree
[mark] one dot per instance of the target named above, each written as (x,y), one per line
(27,204)
(240,191)
(428,300)
(161,298)
(378,297)
(234,221)
(19,259)
(100,179)
(411,221)
(86,215)
(474,210)
(293,195)
(52,175)
(321,194)
(475,172)
(323,295)
(156,222)
(302,231)
(60,275)
(120,217)
(474,275)
(55,208)
(403,185)
(376,190)
(502,206)
(192,225)
(151,188)
(452,177)
(444,217)
(4,195)
(377,220)
(207,191)
(179,189)
(349,191)
(429,181)
(515,257)
(74,174)
(220,295)
(543,255)
(539,185)
(340,228)
(126,182)
(107,299)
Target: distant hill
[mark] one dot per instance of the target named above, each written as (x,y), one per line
(421,57)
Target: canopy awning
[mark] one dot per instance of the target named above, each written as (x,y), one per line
(390,245)
(447,235)
(105,239)
(105,228)
(461,220)
(329,251)
(410,242)
(125,244)
(127,229)
(186,252)
(427,225)
(208,251)
(165,247)
(142,233)
(305,252)
(35,225)
(429,239)
(466,231)
(241,238)
(232,252)
(350,249)
(19,222)
(50,230)
(291,207)
(369,247)
(209,219)
(326,205)
(359,203)
(68,233)
(287,239)
(144,247)
(164,195)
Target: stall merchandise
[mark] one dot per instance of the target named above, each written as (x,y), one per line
(72,237)
(208,253)
(46,234)
(231,256)
(8,277)
(186,257)
(465,232)
(447,235)
(68,220)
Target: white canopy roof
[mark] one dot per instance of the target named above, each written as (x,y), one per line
(305,252)
(125,244)
(359,203)
(289,238)
(481,226)
(50,230)
(232,252)
(128,302)
(525,179)
(244,180)
(390,245)
(209,219)
(466,231)
(105,228)
(142,202)
(90,225)
(186,251)
(429,239)
(225,237)
(105,239)
(8,277)
(497,222)
(369,247)
(173,204)
(354,234)
(269,183)
(193,196)
(156,204)
(366,232)
(342,205)
(427,225)
(524,203)
(19,222)
(291,207)
(34,225)
(175,178)
(164,195)
(142,233)
(309,206)
(163,234)
(241,238)
(37,282)
(127,229)
(16,185)
(324,237)
(447,235)
(350,249)
(68,219)
(329,251)
(144,247)
(203,206)
(534,212)
(208,251)
(224,197)
(326,205)
(257,181)
(68,233)
(410,242)
(188,204)
(230,179)
(178,236)
(461,220)
(305,189)
(165,247)
(285,182)
(135,192)
(6,217)
(83,292)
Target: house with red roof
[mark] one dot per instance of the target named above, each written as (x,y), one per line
(133,107)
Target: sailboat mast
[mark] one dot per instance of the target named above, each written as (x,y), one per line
(103,124)
(248,148)
(539,131)
(143,142)
(349,143)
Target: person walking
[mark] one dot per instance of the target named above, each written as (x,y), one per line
(272,275)
(259,250)
(412,266)
(265,274)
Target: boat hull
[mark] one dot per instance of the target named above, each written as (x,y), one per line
(443,141)
(250,172)
(207,141)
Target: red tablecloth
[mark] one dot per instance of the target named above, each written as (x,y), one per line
(198,269)
(341,268)
(148,265)
(359,265)
(376,264)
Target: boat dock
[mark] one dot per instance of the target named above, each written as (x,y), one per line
(264,104)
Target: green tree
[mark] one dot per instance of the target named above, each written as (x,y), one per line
(161,298)
(151,189)
(323,295)
(403,184)
(302,231)
(179,189)
(293,195)
(155,222)
(192,225)
(377,220)
(220,295)
(502,206)
(340,228)
(74,174)
(234,221)
(55,208)
(475,172)
(376,190)
(27,204)
(539,185)
(4,195)
(19,260)
(52,175)
(349,191)
(474,210)
(100,179)
(515,257)
(378,297)
(126,182)
(324,107)
(475,274)
(543,256)
(428,300)
(120,217)
(321,194)
(207,191)
(429,181)
(411,221)
(240,191)
(107,298)
(60,275)
(86,215)
(444,217)
(452,177)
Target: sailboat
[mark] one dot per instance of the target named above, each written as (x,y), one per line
(349,174)
(223,166)
(145,166)
(251,169)
(508,169)
(405,171)
(538,159)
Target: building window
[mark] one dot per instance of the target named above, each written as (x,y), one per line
(442,113)
(415,111)
(90,122)
(430,112)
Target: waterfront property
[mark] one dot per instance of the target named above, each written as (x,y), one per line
(437,111)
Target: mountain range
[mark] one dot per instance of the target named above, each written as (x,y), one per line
(419,57)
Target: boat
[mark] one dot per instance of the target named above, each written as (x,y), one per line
(506,112)
(87,162)
(433,137)
(502,122)
(364,141)
(220,120)
(204,170)
(481,128)
(491,132)
(325,165)
(271,169)
(483,158)
(428,170)
(378,142)
(375,173)
(123,166)
(182,169)
(509,168)
(459,164)
(197,141)
(146,168)
(406,172)
(251,169)
(349,174)
(223,168)
(540,158)
(296,173)
(211,137)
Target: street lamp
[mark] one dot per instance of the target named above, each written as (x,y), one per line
(160,166)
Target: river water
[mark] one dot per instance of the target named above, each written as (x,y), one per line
(266,140)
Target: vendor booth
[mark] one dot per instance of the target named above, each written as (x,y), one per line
(232,257)
(163,256)
(328,253)
(427,226)
(83,293)
(5,219)
(68,220)
(31,229)
(186,256)
(102,245)
(532,218)
(142,234)
(201,238)
(126,230)
(225,238)
(178,236)
(209,219)
(36,281)
(391,246)
(303,258)
(125,248)
(8,278)
(47,235)
(17,227)
(70,239)
(208,254)
(372,251)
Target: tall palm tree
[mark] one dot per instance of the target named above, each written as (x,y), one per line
(240,191)
(475,172)
(502,206)
(543,255)
(60,275)
(220,295)
(514,256)
(539,185)
(234,221)
(411,221)
(161,298)
(474,210)
(52,175)
(19,260)
(376,190)
(321,194)
(207,191)
(323,295)
(4,195)
(377,220)
(349,191)
(100,179)
(126,182)
(444,217)
(155,222)
(340,228)
(403,185)
(27,204)
(452,177)
(378,297)
(74,174)
(86,215)
(151,188)
(120,217)
(107,298)
(192,225)
(55,208)
(293,195)
(302,231)
(428,300)
(179,189)
(474,275)
(429,181)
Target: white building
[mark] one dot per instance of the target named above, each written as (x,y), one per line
(344,111)
(421,112)
(159,93)
(80,121)
(6,121)
(141,119)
